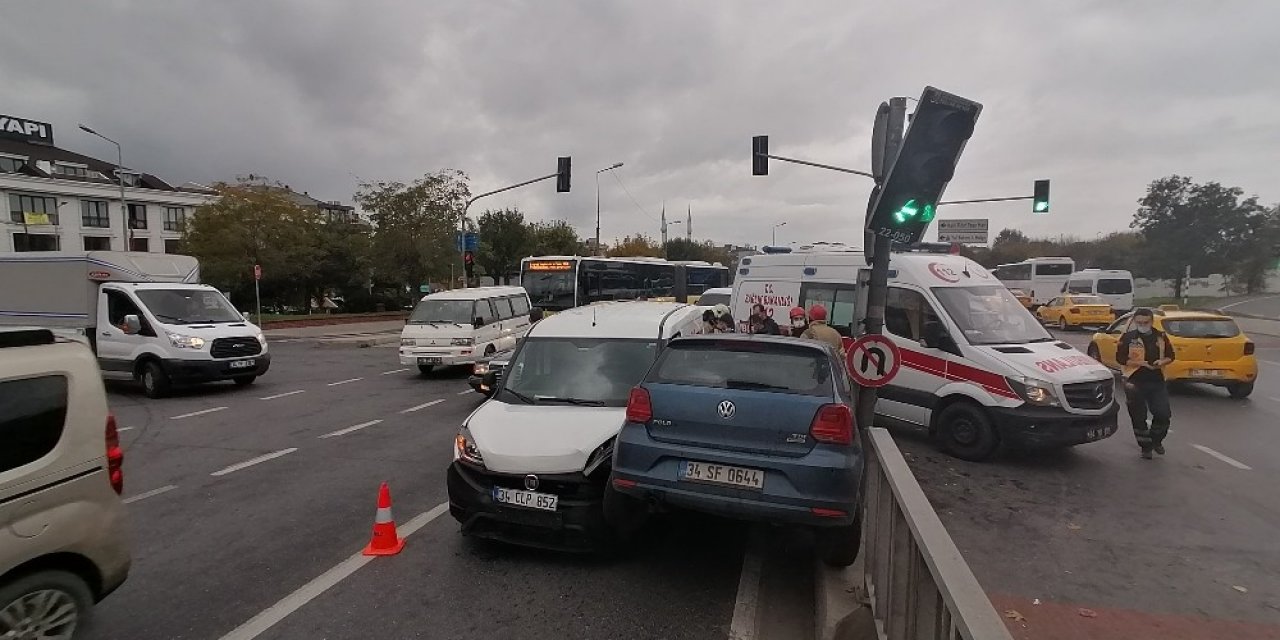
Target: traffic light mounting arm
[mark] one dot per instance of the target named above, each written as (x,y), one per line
(463,219)
(817,164)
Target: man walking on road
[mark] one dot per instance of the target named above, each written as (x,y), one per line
(1143,353)
(819,330)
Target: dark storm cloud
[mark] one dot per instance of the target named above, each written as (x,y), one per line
(1101,97)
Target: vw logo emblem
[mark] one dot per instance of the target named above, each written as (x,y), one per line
(531,482)
(726,409)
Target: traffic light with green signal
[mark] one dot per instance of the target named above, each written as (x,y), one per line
(907,202)
(1040,199)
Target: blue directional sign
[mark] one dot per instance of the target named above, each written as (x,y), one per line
(467,241)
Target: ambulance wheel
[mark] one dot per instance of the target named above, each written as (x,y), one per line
(965,431)
(1240,390)
(1094,353)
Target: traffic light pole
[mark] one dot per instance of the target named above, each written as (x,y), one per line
(987,200)
(462,220)
(819,165)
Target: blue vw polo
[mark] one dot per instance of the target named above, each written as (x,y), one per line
(746,426)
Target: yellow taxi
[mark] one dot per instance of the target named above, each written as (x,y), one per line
(1068,311)
(1208,347)
(1023,298)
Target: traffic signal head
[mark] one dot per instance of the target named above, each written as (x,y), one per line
(1040,201)
(468,258)
(908,201)
(563,166)
(760,155)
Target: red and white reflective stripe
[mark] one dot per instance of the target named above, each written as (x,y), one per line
(993,383)
(383,515)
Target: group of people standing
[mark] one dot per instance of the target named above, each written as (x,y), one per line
(811,324)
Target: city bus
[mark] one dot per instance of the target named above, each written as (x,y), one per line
(1040,278)
(556,283)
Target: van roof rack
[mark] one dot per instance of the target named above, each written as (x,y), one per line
(25,337)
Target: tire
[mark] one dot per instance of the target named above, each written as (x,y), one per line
(1240,390)
(244,381)
(965,431)
(1093,352)
(839,546)
(1062,323)
(490,350)
(624,513)
(425,369)
(72,605)
(155,382)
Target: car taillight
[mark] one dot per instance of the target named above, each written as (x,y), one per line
(1248,348)
(833,424)
(1073,310)
(115,456)
(639,406)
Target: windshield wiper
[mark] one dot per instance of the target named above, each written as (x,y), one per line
(745,384)
(174,319)
(575,401)
(520,396)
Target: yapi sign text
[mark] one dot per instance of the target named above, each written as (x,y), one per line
(23,129)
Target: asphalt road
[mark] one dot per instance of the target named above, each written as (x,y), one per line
(1267,306)
(243,512)
(1095,543)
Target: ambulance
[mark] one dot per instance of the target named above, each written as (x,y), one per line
(976,369)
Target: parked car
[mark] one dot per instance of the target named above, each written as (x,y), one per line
(1023,297)
(713,297)
(753,427)
(1208,347)
(63,545)
(487,373)
(1070,311)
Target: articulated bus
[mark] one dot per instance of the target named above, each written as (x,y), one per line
(555,283)
(1041,278)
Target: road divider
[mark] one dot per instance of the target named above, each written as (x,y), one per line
(198,413)
(285,394)
(252,461)
(423,406)
(1224,457)
(343,432)
(150,494)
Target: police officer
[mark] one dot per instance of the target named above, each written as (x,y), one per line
(819,330)
(1143,353)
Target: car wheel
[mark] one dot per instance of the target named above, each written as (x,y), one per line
(965,431)
(244,381)
(1062,323)
(47,604)
(1093,352)
(490,350)
(155,382)
(1240,390)
(425,369)
(839,546)
(624,513)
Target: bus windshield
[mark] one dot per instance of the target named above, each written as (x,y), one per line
(550,290)
(990,315)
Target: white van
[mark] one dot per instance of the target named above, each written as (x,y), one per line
(1040,278)
(1115,286)
(530,465)
(977,368)
(463,326)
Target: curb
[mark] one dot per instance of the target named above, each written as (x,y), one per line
(356,343)
(841,610)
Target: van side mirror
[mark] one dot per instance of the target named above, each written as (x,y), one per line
(478,322)
(132,325)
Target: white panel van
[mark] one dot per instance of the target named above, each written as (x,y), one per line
(463,326)
(1115,286)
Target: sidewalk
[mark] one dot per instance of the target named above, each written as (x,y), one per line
(354,334)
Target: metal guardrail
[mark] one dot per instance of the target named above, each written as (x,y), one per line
(918,583)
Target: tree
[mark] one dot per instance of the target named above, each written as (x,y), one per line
(504,240)
(345,257)
(684,249)
(1258,251)
(416,226)
(637,245)
(555,238)
(254,222)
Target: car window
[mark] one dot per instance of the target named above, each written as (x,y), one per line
(586,369)
(1119,325)
(839,301)
(1080,286)
(733,364)
(503,308)
(484,311)
(1087,300)
(520,304)
(1115,286)
(906,311)
(32,414)
(1202,328)
(713,299)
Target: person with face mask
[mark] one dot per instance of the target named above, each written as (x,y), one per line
(1143,353)
(799,321)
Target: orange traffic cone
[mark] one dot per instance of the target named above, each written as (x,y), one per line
(385,542)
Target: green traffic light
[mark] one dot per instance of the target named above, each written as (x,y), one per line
(929,213)
(908,211)
(1041,206)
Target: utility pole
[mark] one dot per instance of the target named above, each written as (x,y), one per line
(608,168)
(688,224)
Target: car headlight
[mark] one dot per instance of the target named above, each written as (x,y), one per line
(464,448)
(1037,392)
(408,342)
(186,342)
(262,339)
(480,368)
(463,342)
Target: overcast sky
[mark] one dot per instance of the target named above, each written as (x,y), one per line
(1101,97)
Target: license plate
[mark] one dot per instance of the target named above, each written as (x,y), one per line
(243,364)
(722,474)
(1206,373)
(526,499)
(428,360)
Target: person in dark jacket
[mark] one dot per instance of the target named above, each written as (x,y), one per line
(1142,353)
(760,322)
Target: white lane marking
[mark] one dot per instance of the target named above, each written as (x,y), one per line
(342,432)
(743,626)
(281,395)
(252,461)
(151,493)
(1270,362)
(197,413)
(387,373)
(334,384)
(1274,398)
(1223,457)
(1228,306)
(463,393)
(321,583)
(423,406)
(119,429)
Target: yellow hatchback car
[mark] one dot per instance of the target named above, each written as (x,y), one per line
(1069,311)
(1208,347)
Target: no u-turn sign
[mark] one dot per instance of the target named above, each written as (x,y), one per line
(873,360)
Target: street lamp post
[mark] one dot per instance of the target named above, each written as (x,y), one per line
(774,242)
(664,237)
(609,168)
(124,204)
